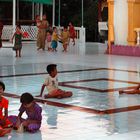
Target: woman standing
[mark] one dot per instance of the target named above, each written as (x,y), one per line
(42,26)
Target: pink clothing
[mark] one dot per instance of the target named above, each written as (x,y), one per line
(58,93)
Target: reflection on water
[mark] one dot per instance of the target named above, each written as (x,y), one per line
(51,113)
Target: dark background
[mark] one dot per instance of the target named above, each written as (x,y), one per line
(70,11)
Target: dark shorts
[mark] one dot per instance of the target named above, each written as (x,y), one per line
(54,44)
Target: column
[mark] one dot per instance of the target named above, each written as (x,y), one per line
(53,20)
(138,35)
(133,20)
(110,24)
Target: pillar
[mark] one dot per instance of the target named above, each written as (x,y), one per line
(120,22)
(133,20)
(110,23)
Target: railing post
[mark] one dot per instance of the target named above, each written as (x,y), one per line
(82,37)
(138,35)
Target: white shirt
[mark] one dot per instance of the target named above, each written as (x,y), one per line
(51,83)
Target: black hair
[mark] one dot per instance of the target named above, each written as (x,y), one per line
(65,27)
(50,68)
(54,28)
(26,98)
(3,85)
(18,26)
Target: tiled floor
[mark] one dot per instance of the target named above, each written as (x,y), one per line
(96,111)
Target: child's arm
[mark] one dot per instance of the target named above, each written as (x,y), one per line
(42,90)
(18,122)
(29,121)
(3,121)
(11,40)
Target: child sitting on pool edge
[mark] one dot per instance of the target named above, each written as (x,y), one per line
(51,83)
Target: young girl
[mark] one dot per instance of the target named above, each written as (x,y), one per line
(72,33)
(18,41)
(51,83)
(5,124)
(48,40)
(65,39)
(33,111)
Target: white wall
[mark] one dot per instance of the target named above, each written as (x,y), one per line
(121,21)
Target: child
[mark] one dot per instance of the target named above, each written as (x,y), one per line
(72,33)
(18,41)
(134,91)
(48,40)
(51,83)
(33,111)
(5,124)
(65,38)
(54,39)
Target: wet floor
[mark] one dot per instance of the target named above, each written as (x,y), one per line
(95,111)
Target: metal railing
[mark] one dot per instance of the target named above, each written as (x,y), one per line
(32,31)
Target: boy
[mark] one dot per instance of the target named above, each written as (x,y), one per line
(65,38)
(55,38)
(51,83)
(4,122)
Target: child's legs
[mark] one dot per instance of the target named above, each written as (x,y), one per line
(67,94)
(52,94)
(138,87)
(63,94)
(13,119)
(65,46)
(54,44)
(33,127)
(135,91)
(55,93)
(16,53)
(132,92)
(48,45)
(7,124)
(19,52)
(4,131)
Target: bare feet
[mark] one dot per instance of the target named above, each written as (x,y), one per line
(46,96)
(137,88)
(121,92)
(38,96)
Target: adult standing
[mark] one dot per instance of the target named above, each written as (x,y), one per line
(72,32)
(1,28)
(38,24)
(42,26)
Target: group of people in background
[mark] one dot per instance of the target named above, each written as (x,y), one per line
(49,36)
